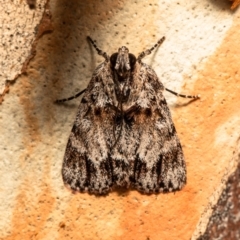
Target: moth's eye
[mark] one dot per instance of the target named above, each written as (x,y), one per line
(132,60)
(113,59)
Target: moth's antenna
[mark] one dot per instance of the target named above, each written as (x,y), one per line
(148,51)
(99,51)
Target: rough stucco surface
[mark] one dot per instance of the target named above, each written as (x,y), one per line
(200,56)
(17,32)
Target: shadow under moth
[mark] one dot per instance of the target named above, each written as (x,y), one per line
(123,134)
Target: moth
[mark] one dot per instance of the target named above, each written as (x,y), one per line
(123,135)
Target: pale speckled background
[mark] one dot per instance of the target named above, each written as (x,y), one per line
(199,56)
(17,30)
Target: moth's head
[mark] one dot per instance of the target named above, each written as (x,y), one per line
(123,62)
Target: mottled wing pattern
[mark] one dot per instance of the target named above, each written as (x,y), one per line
(149,144)
(159,165)
(87,165)
(147,156)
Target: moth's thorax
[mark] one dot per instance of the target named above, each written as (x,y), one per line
(122,62)
(122,65)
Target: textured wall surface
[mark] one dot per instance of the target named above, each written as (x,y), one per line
(18,30)
(199,56)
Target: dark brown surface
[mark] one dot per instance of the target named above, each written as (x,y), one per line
(225,220)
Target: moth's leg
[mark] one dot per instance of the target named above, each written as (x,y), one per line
(99,51)
(182,95)
(70,98)
(148,51)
